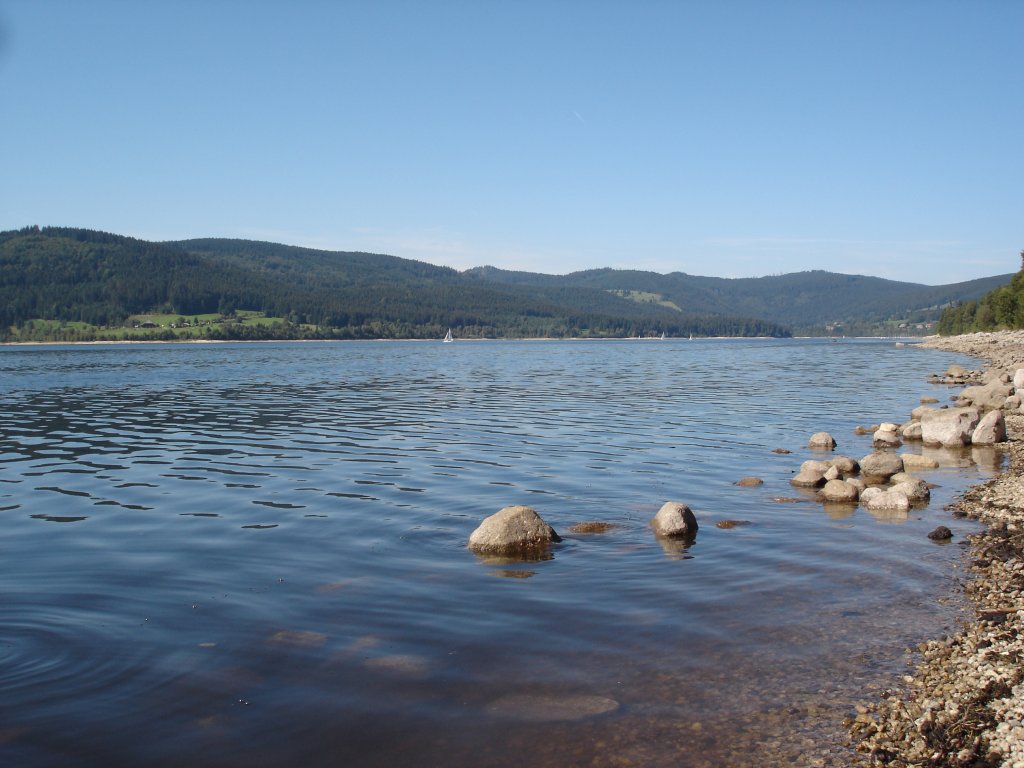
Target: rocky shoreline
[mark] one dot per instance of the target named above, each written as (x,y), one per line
(964,703)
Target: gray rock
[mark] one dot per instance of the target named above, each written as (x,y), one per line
(885,438)
(912,431)
(917,413)
(881,464)
(990,430)
(808,478)
(812,465)
(839,490)
(674,520)
(749,482)
(988,396)
(891,500)
(914,489)
(950,427)
(1018,378)
(942,533)
(832,473)
(512,531)
(822,441)
(845,465)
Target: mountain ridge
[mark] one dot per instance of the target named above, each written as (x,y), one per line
(68,274)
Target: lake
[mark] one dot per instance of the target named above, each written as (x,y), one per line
(255,554)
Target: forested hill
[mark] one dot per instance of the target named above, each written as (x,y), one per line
(1002,308)
(809,302)
(81,284)
(76,284)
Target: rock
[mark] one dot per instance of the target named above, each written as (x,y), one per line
(1013,402)
(990,430)
(845,465)
(1018,378)
(928,400)
(942,533)
(839,490)
(867,494)
(950,427)
(857,483)
(881,464)
(815,466)
(822,441)
(808,478)
(674,520)
(988,396)
(832,473)
(780,450)
(859,430)
(727,524)
(886,438)
(914,489)
(886,500)
(749,482)
(917,461)
(917,413)
(912,431)
(956,370)
(513,531)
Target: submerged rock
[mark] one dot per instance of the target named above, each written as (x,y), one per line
(917,461)
(594,527)
(513,531)
(540,707)
(675,520)
(749,482)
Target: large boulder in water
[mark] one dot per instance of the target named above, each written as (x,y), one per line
(513,531)
(675,520)
(950,427)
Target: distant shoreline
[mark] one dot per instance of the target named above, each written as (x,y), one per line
(129,342)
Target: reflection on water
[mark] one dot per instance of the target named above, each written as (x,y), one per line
(263,559)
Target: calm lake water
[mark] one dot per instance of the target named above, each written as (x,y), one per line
(255,555)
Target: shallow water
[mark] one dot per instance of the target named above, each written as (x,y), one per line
(227,555)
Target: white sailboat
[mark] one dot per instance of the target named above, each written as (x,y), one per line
(448,337)
(662,335)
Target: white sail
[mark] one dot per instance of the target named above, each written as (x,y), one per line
(448,336)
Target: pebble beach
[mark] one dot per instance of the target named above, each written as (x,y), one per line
(963,704)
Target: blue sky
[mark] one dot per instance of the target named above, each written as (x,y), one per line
(721,138)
